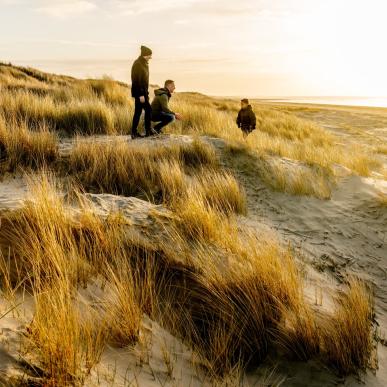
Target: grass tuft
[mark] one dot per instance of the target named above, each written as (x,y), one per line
(347,337)
(22,148)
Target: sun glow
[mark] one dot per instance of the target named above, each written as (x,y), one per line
(218,47)
(330,47)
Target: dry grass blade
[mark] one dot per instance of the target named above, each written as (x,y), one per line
(347,337)
(123,169)
(221,191)
(58,253)
(22,148)
(123,308)
(381,200)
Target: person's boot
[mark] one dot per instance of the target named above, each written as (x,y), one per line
(151,132)
(135,135)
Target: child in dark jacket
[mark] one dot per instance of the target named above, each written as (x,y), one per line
(246,118)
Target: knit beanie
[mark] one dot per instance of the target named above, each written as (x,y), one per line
(145,51)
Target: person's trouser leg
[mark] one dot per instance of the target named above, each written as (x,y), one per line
(148,115)
(164,118)
(137,114)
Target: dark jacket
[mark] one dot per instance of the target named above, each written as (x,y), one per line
(140,78)
(160,102)
(246,119)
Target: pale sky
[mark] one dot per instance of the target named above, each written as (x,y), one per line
(219,47)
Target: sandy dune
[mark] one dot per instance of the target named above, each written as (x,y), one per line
(346,234)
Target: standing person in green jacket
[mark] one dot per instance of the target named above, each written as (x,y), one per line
(160,110)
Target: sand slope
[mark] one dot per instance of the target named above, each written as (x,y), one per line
(343,235)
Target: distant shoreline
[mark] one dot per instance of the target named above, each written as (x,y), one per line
(366,102)
(376,102)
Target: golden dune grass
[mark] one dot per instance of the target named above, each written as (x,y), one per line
(350,328)
(247,300)
(68,341)
(185,177)
(126,169)
(278,134)
(382,149)
(49,249)
(324,156)
(102,106)
(124,315)
(297,181)
(283,135)
(299,334)
(50,259)
(231,315)
(86,116)
(55,255)
(64,104)
(229,311)
(22,148)
(381,199)
(281,175)
(228,294)
(344,339)
(111,91)
(197,220)
(221,191)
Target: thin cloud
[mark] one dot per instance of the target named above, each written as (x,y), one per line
(193,45)
(66,8)
(219,8)
(90,43)
(131,7)
(182,21)
(12,2)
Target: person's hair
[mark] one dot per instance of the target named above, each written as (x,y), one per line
(245,100)
(168,82)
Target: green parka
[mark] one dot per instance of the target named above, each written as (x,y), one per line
(160,102)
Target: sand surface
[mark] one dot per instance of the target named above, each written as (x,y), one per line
(346,234)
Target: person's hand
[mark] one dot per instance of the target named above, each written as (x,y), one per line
(178,116)
(142,99)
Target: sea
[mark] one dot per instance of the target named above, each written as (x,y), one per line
(344,101)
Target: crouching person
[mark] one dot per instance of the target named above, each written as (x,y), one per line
(246,119)
(160,110)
